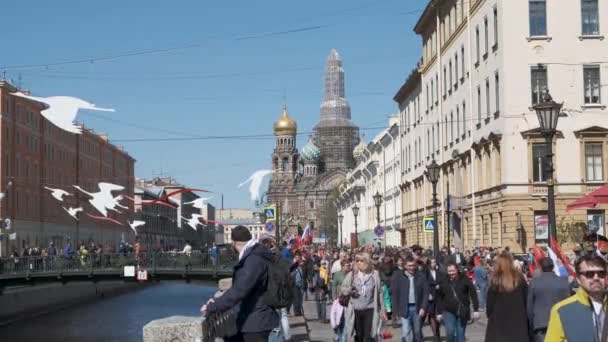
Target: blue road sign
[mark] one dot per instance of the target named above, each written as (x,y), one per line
(428,225)
(269,212)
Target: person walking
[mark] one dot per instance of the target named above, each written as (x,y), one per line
(455,295)
(545,290)
(365,308)
(320,280)
(582,317)
(410,298)
(299,285)
(433,277)
(481,281)
(255,319)
(506,310)
(338,277)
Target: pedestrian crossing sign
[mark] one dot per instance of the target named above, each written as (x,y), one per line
(428,225)
(269,212)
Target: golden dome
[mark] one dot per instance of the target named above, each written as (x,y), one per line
(285,124)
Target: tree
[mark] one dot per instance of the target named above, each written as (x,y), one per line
(570,232)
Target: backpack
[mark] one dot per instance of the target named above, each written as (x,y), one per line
(279,290)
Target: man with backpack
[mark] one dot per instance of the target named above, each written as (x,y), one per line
(251,286)
(320,279)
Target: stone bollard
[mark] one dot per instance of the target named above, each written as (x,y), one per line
(174,329)
(181,328)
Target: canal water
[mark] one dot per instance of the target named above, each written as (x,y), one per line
(115,319)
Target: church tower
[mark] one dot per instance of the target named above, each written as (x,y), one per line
(285,155)
(335,134)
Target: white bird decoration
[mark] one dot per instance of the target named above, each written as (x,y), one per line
(58,193)
(194,221)
(136,224)
(199,202)
(255,181)
(73,212)
(104,200)
(62,110)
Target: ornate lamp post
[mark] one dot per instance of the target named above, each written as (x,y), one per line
(355,214)
(340,218)
(548,113)
(378,202)
(432,174)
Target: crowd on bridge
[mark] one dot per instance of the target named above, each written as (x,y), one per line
(361,292)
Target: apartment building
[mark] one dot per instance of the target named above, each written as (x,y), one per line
(468,105)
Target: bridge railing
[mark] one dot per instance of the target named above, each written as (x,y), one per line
(114,263)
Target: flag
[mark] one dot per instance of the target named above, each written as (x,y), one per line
(555,259)
(306,235)
(564,259)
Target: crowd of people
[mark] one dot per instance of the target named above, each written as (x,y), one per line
(361,292)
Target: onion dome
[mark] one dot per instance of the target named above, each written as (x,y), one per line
(285,125)
(310,152)
(359,150)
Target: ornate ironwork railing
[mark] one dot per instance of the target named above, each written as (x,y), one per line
(154,263)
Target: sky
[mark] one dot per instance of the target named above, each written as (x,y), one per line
(199,68)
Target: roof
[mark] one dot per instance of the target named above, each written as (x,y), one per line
(425,16)
(412,81)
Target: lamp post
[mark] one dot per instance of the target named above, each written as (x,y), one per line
(548,114)
(3,221)
(355,214)
(340,218)
(378,203)
(432,174)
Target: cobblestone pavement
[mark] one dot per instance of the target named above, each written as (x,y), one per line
(308,328)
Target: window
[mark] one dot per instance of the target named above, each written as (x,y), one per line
(445,83)
(451,126)
(428,142)
(463,9)
(539,83)
(437,136)
(487,98)
(478,104)
(433,139)
(477,44)
(539,156)
(456,69)
(487,35)
(462,61)
(495,28)
(427,97)
(432,93)
(596,221)
(497,92)
(591,75)
(437,88)
(538,18)
(451,78)
(457,122)
(464,115)
(283,164)
(594,162)
(590,17)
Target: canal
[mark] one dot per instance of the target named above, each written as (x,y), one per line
(116,319)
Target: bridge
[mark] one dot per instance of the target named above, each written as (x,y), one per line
(24,270)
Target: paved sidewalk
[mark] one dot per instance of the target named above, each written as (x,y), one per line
(308,328)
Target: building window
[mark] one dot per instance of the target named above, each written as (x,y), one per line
(539,83)
(478,104)
(594,162)
(437,88)
(590,17)
(451,76)
(283,164)
(432,93)
(477,45)
(487,98)
(541,226)
(487,36)
(438,132)
(462,61)
(427,97)
(428,142)
(433,130)
(457,122)
(464,115)
(497,91)
(451,126)
(456,68)
(539,156)
(445,83)
(311,204)
(538,18)
(591,75)
(495,28)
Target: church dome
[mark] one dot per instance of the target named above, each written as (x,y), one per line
(285,124)
(359,150)
(310,152)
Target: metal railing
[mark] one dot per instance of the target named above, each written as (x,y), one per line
(154,263)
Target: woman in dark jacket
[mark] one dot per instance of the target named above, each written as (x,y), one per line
(506,306)
(434,277)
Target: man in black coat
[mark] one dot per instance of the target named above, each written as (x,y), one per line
(545,291)
(255,319)
(410,299)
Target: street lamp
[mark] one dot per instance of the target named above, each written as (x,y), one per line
(355,214)
(378,202)
(340,218)
(548,113)
(432,174)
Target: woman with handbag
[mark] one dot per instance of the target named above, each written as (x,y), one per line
(455,295)
(365,308)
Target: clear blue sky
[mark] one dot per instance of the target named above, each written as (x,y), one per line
(224,86)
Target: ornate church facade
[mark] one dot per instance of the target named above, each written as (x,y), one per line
(302,181)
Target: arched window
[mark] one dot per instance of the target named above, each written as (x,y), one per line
(284,163)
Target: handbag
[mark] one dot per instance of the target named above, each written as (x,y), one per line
(462,311)
(344,299)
